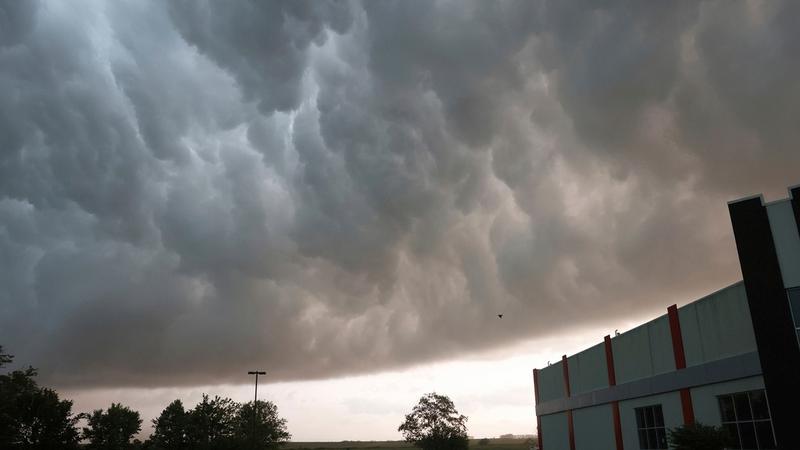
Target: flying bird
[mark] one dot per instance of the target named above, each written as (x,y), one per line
(500,316)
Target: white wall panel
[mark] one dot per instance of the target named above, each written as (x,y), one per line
(555,432)
(594,428)
(717,326)
(587,370)
(551,382)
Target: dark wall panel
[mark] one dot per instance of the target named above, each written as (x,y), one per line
(796,206)
(772,323)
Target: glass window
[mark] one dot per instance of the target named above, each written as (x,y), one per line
(746,417)
(794,300)
(659,417)
(758,403)
(661,437)
(726,408)
(764,434)
(733,432)
(650,425)
(747,431)
(741,403)
(794,303)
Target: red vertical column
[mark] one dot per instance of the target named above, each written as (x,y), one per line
(612,381)
(570,424)
(680,362)
(571,428)
(536,399)
(687,407)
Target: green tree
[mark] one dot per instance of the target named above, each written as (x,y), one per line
(261,427)
(212,423)
(112,429)
(4,359)
(33,417)
(699,437)
(434,424)
(171,428)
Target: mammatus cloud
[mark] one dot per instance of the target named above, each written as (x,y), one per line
(191,190)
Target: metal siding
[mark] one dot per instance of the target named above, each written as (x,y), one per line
(725,325)
(588,371)
(554,432)
(704,398)
(660,345)
(632,359)
(692,337)
(643,351)
(594,428)
(551,382)
(670,406)
(787,241)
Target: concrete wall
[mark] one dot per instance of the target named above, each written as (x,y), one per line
(587,370)
(717,326)
(594,428)
(787,241)
(704,398)
(670,406)
(555,432)
(551,382)
(643,351)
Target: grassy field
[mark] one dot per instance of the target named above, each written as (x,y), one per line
(488,444)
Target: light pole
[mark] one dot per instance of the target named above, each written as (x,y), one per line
(256,373)
(255,400)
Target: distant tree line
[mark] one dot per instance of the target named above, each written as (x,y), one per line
(34,417)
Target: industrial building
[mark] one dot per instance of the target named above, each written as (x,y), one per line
(730,359)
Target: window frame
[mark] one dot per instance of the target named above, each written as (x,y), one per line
(751,420)
(643,427)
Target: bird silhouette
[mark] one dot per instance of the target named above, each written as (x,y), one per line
(500,316)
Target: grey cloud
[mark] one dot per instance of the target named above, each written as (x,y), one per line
(16,18)
(264,44)
(682,88)
(611,60)
(188,191)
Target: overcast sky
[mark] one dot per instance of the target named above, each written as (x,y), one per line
(347,194)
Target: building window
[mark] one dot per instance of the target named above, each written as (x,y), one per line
(794,305)
(650,425)
(746,417)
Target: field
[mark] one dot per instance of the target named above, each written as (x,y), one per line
(476,444)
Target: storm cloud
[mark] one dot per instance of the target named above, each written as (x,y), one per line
(192,189)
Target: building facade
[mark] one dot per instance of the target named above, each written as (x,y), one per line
(730,359)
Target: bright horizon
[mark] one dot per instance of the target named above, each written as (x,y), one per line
(494,389)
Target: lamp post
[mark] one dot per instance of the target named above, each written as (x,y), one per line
(256,373)
(255,400)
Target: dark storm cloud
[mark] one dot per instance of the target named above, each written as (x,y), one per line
(191,190)
(263,44)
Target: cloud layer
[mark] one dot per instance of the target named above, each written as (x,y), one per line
(191,190)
